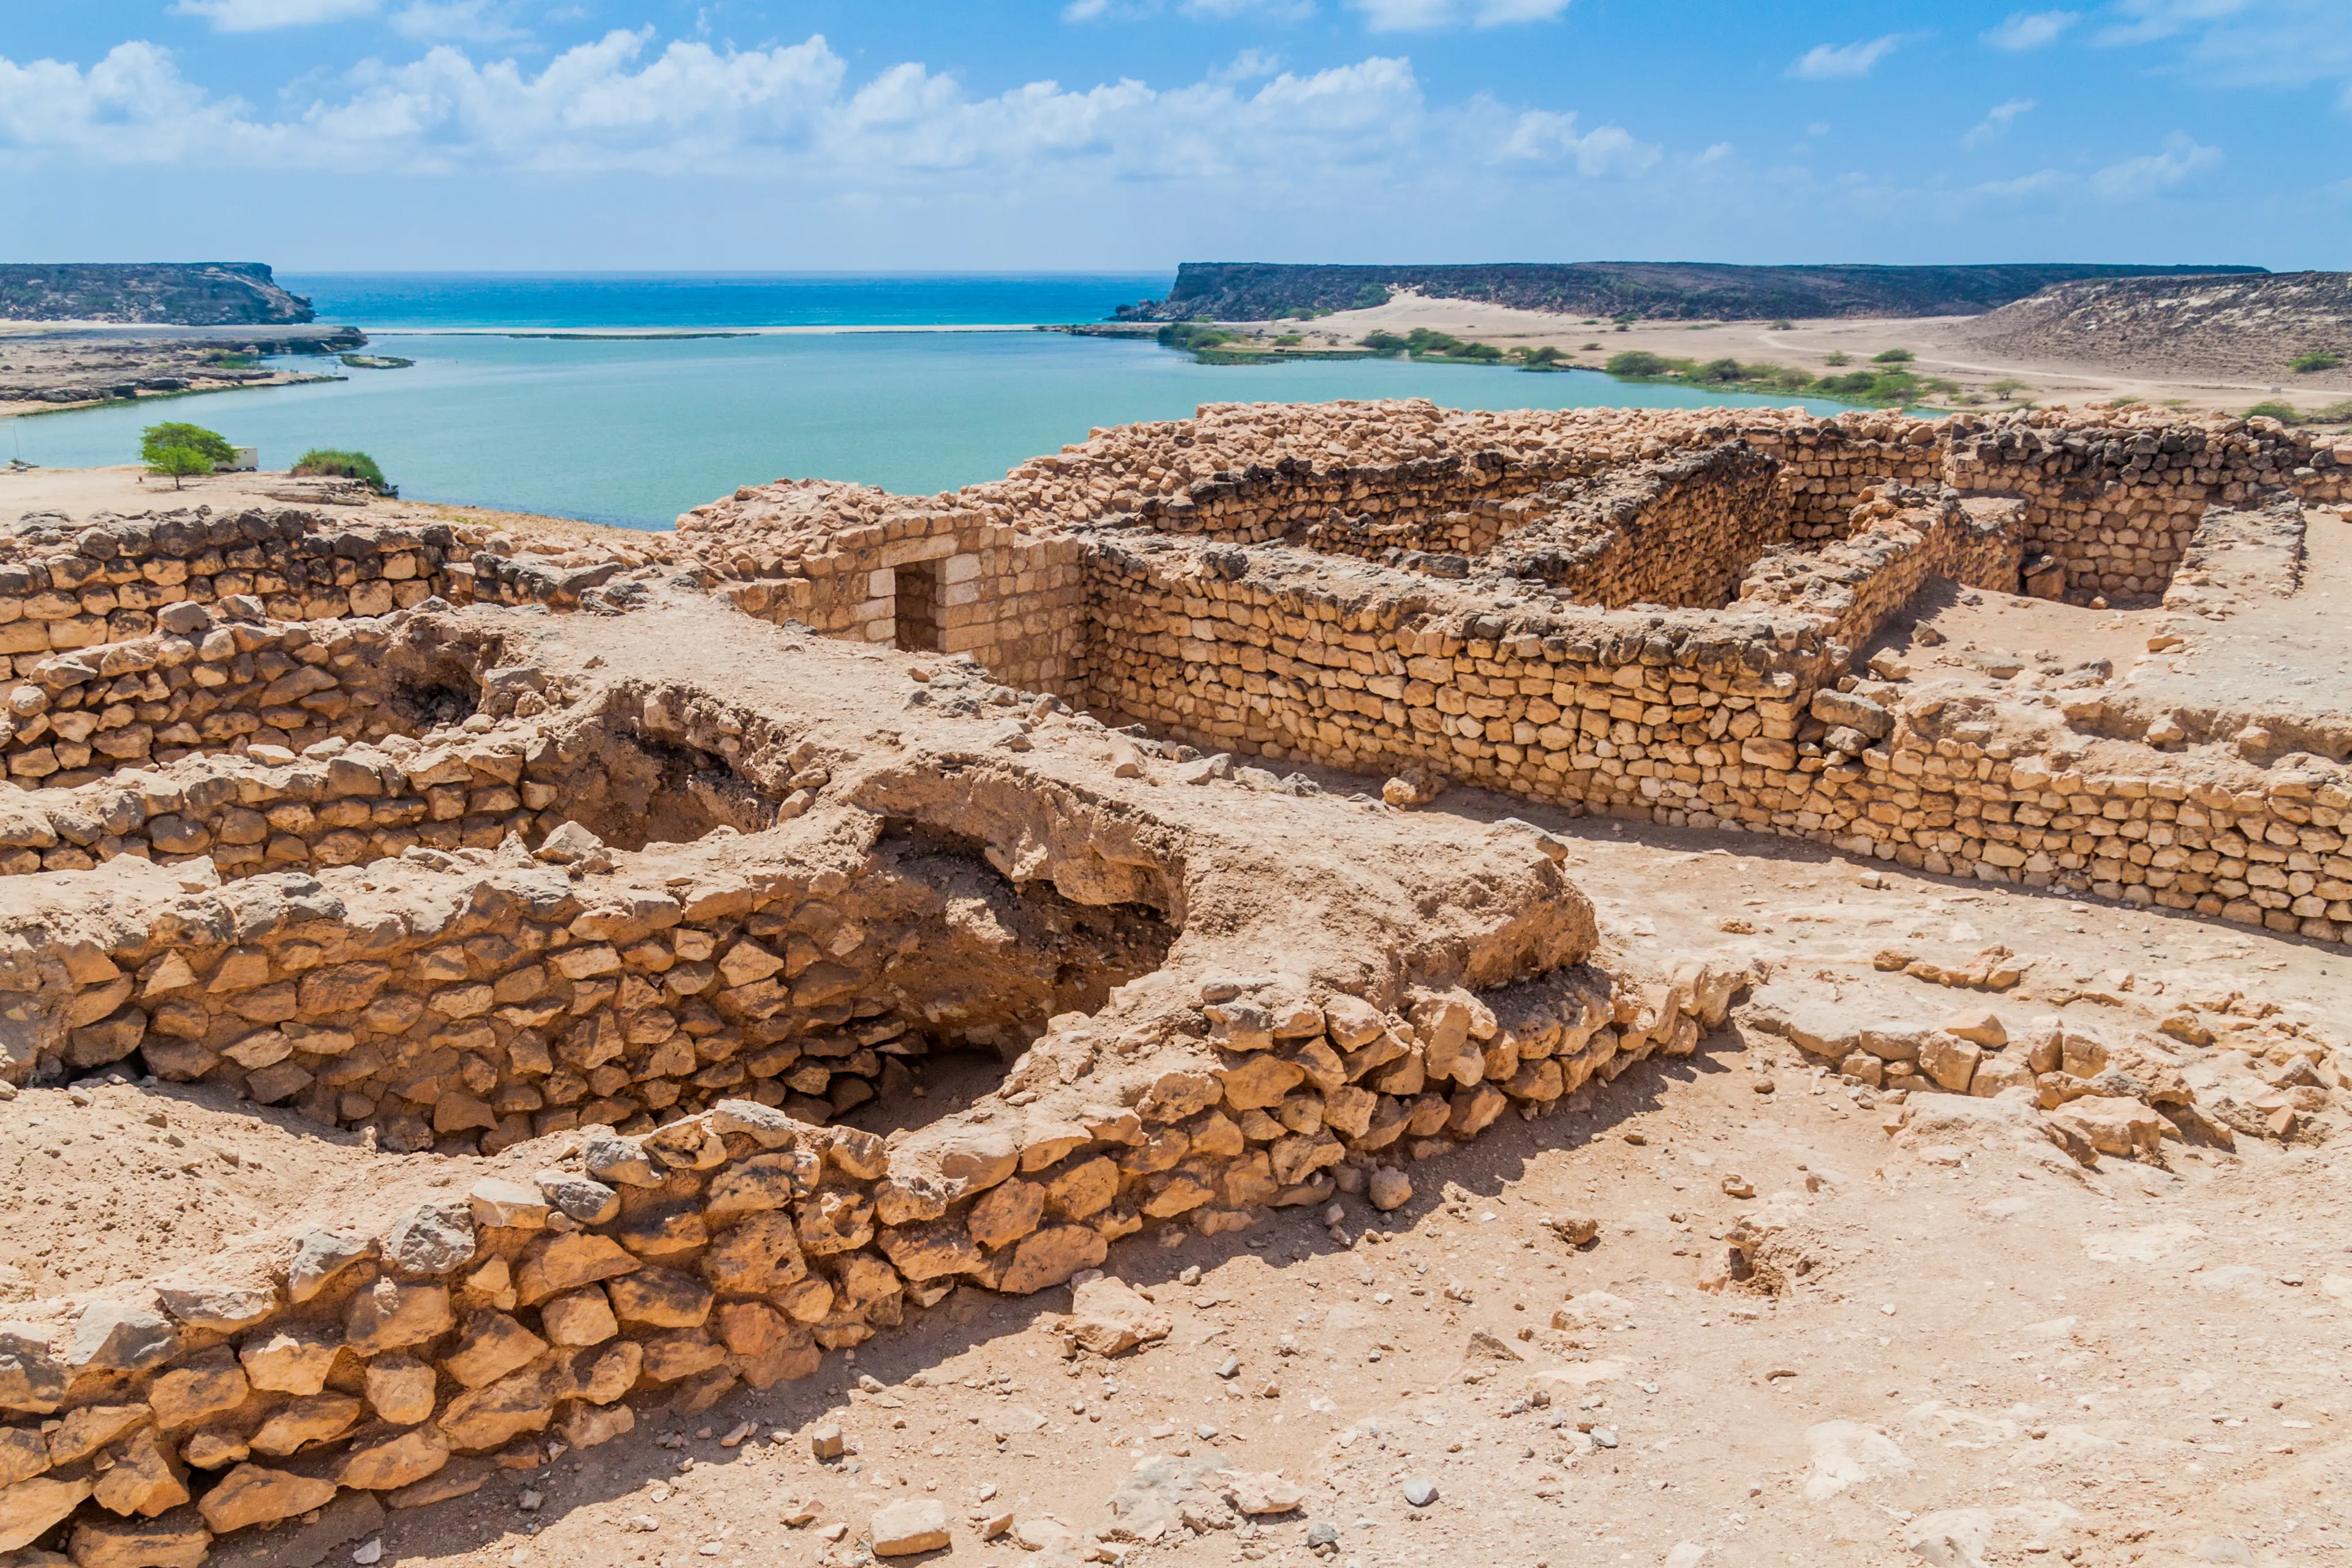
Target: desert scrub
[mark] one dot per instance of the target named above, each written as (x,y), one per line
(1892,357)
(1890,387)
(337,463)
(2315,359)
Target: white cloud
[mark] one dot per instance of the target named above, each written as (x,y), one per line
(260,15)
(1826,62)
(626,103)
(1502,13)
(1405,16)
(1996,122)
(2274,44)
(1542,135)
(2155,172)
(2032,29)
(1421,16)
(471,21)
(1250,65)
(1716,153)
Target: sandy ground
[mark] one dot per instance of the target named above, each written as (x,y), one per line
(1939,341)
(129,490)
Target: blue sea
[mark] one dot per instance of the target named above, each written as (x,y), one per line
(634,429)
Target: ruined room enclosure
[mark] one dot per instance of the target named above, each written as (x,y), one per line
(859,981)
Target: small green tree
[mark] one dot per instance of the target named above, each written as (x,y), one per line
(181,450)
(2008,386)
(1637,361)
(1840,357)
(1892,357)
(2316,358)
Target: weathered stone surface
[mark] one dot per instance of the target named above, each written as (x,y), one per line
(29,1510)
(566,1262)
(754,1255)
(319,1254)
(590,1424)
(588,1201)
(484,1419)
(576,1317)
(1256,1492)
(390,1315)
(86,1430)
(497,1202)
(177,1539)
(113,1336)
(204,1385)
(32,1376)
(390,1463)
(303,1421)
(660,1298)
(914,1525)
(293,1359)
(145,1477)
(1006,1212)
(400,1388)
(431,1238)
(932,1251)
(618,1161)
(222,1308)
(1109,1317)
(253,1494)
(1050,1256)
(22,1455)
(600,1375)
(490,1345)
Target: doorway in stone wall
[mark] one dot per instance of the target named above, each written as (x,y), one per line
(915,609)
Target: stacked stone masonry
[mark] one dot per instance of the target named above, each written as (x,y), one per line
(643,955)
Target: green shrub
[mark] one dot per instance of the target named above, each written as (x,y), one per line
(2316,358)
(2274,410)
(1386,345)
(1545,356)
(329,460)
(1370,297)
(1191,336)
(1720,370)
(1626,318)
(1892,357)
(1782,326)
(1636,361)
(1839,358)
(1288,341)
(1793,379)
(2336,413)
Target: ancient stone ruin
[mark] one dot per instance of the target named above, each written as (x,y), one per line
(757,934)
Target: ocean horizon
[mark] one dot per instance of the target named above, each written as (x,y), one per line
(666,410)
(716,301)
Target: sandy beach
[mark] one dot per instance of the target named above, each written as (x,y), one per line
(1942,345)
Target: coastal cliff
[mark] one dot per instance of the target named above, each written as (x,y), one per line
(193,294)
(1671,290)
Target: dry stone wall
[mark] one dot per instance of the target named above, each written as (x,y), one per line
(594,1274)
(838,558)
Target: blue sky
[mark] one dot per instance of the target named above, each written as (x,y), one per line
(760,134)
